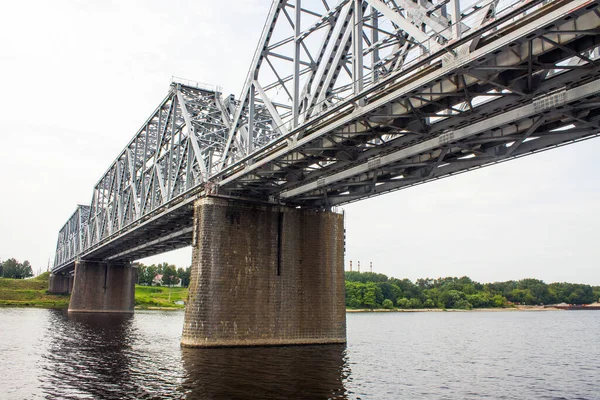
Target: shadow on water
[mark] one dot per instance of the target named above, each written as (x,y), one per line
(296,372)
(88,356)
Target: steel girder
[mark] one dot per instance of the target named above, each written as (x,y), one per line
(350,99)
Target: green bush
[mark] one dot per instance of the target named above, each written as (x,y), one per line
(415,303)
(402,303)
(463,305)
(388,304)
(429,304)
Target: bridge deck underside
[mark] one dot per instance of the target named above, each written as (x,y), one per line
(168,231)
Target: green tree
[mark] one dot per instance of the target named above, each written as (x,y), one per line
(480,300)
(25,270)
(433,294)
(521,296)
(463,305)
(389,291)
(596,293)
(407,288)
(184,275)
(388,304)
(429,303)
(415,303)
(364,277)
(146,274)
(151,272)
(354,294)
(450,298)
(169,275)
(426,283)
(11,268)
(372,296)
(499,301)
(402,303)
(141,271)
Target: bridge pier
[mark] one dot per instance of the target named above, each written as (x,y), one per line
(59,283)
(103,287)
(71,282)
(265,275)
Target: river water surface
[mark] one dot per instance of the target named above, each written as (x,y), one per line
(48,354)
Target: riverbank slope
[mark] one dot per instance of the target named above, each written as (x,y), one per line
(30,293)
(34,293)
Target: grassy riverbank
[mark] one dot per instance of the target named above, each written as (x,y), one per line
(34,293)
(30,293)
(152,297)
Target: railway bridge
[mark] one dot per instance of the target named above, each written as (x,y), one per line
(344,100)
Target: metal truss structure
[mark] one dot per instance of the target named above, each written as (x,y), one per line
(70,237)
(497,57)
(173,153)
(349,99)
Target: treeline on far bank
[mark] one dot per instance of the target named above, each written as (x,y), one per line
(373,290)
(163,274)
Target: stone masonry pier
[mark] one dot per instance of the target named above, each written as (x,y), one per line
(265,275)
(103,287)
(61,283)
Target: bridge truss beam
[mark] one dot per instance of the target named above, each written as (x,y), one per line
(70,238)
(520,55)
(169,158)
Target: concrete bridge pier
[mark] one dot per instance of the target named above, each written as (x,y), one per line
(103,287)
(265,275)
(59,283)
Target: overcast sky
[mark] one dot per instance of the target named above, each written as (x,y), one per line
(77,81)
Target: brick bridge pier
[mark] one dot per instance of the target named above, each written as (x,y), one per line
(265,275)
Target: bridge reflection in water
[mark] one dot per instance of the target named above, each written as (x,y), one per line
(295,372)
(89,356)
(120,356)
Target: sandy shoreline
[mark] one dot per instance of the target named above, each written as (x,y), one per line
(517,308)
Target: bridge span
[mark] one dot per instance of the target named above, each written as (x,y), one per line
(344,100)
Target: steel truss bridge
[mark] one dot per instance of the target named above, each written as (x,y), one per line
(349,99)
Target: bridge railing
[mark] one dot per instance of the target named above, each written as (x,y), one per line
(195,84)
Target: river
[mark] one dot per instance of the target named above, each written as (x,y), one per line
(48,354)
